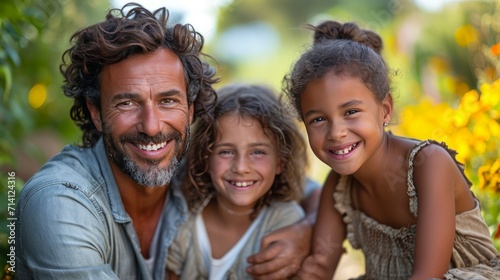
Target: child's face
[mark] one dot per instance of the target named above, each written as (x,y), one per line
(344,122)
(244,162)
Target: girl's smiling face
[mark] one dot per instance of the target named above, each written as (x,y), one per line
(344,121)
(244,162)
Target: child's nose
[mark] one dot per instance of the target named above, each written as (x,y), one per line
(241,164)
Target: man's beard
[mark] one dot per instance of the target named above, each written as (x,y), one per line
(153,175)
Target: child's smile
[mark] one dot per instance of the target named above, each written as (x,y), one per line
(344,122)
(244,162)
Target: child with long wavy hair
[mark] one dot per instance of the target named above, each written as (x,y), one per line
(405,203)
(246,172)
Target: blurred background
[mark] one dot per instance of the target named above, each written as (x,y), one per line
(444,58)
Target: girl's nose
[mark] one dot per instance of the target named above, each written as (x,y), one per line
(241,164)
(337,130)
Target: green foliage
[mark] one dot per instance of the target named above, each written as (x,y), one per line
(33,36)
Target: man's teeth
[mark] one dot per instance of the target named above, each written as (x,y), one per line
(152,147)
(346,150)
(242,184)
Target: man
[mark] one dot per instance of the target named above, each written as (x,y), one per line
(108,210)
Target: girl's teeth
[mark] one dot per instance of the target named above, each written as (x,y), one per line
(242,184)
(345,151)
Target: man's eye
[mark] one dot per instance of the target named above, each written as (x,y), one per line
(125,104)
(167,101)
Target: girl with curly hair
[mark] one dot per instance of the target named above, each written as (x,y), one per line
(246,171)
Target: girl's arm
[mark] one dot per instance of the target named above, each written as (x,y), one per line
(435,177)
(328,235)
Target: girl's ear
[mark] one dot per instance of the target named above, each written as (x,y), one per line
(95,115)
(279,167)
(387,108)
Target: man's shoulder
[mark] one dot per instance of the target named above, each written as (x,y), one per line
(73,167)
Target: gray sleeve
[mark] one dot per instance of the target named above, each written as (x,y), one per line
(60,235)
(310,186)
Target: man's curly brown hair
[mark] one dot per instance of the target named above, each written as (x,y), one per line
(126,32)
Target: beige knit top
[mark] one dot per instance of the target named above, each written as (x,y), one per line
(389,251)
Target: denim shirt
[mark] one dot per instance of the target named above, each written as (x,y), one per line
(71,223)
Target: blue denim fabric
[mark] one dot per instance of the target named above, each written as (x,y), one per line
(71,223)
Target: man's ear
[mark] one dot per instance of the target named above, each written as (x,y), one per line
(191,113)
(95,115)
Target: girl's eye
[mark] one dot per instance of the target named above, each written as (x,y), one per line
(351,112)
(224,152)
(318,119)
(258,152)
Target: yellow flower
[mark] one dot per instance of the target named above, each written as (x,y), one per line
(490,94)
(470,102)
(466,35)
(489,177)
(473,130)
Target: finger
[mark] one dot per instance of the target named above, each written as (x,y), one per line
(283,273)
(268,239)
(264,268)
(276,268)
(266,254)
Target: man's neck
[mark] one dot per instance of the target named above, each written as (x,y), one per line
(144,205)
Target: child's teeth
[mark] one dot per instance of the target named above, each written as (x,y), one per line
(345,151)
(243,184)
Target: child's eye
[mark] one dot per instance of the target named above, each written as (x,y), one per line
(258,152)
(351,112)
(224,152)
(318,119)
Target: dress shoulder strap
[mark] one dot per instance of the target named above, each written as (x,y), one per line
(412,193)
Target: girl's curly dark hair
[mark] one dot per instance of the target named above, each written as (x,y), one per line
(126,32)
(261,104)
(344,49)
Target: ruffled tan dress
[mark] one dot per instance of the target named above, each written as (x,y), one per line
(389,251)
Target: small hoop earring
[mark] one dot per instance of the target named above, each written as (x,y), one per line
(386,123)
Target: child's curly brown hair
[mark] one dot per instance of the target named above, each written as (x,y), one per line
(262,105)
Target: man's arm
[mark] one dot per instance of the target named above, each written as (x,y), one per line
(60,236)
(283,250)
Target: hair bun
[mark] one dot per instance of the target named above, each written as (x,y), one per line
(333,30)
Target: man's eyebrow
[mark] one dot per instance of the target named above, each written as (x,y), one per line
(171,92)
(127,95)
(132,95)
